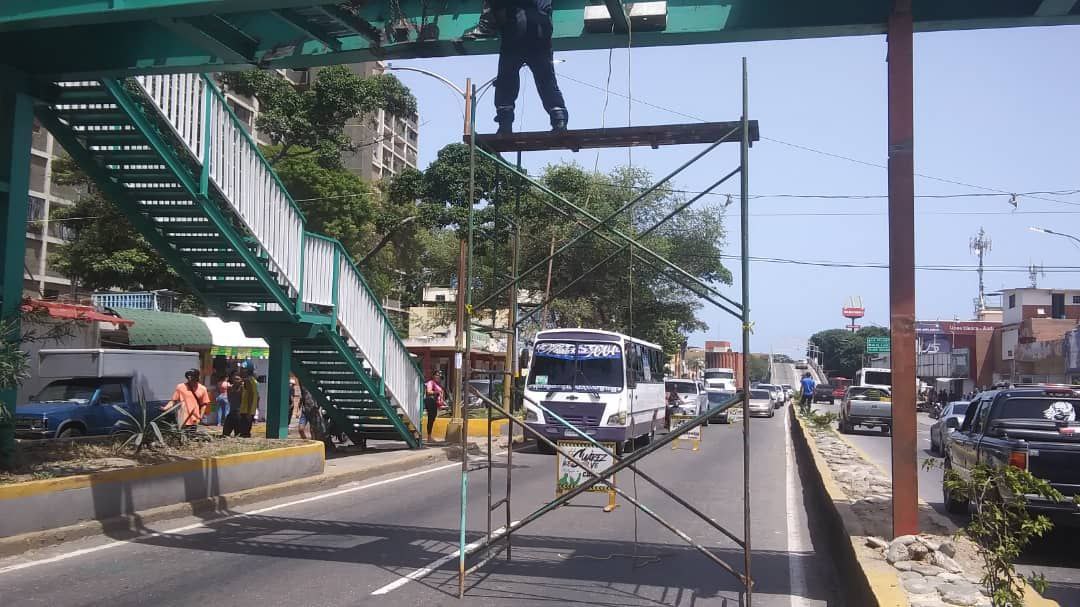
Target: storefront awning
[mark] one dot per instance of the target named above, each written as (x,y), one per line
(229,339)
(153,328)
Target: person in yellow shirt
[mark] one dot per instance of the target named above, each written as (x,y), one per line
(249,401)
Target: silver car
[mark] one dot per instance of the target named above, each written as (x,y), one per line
(776,394)
(692,398)
(761,402)
(950,419)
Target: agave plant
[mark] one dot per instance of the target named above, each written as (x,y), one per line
(143,432)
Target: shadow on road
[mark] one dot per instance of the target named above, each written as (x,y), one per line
(559,569)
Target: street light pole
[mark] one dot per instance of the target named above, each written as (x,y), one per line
(1046,231)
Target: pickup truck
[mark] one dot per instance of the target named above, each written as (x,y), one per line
(90,381)
(1035,428)
(866,406)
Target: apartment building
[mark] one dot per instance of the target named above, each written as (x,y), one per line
(40,279)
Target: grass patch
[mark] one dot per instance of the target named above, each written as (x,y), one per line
(57,459)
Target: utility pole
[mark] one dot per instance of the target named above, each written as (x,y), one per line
(980,245)
(454,428)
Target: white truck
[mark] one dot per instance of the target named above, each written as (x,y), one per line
(86,383)
(720,379)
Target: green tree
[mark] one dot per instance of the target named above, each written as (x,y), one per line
(313,118)
(842,351)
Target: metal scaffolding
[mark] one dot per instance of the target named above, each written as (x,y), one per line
(472,557)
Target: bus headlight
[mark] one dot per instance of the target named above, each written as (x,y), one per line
(618,419)
(530,415)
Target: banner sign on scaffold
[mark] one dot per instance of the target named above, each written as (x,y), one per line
(569,475)
(693,435)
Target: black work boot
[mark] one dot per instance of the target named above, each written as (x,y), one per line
(484,28)
(504,116)
(559,117)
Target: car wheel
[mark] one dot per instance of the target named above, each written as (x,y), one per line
(70,432)
(886,430)
(952,506)
(844,429)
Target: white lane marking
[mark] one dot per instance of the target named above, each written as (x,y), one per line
(798,547)
(423,572)
(306,500)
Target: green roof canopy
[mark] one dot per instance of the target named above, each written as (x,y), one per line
(153,328)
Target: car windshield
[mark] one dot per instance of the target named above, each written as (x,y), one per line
(824,387)
(576,366)
(682,387)
(68,390)
(720,397)
(878,378)
(1040,408)
(863,393)
(759,395)
(719,375)
(785,386)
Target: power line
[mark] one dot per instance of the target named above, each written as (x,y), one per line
(878,265)
(1012,195)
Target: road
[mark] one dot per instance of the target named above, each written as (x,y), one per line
(1054,556)
(340,547)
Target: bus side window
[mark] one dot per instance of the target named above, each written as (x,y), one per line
(632,366)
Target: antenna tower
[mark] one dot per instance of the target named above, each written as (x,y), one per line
(1034,272)
(980,245)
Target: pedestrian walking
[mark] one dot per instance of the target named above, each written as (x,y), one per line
(434,397)
(221,399)
(249,401)
(294,399)
(193,399)
(807,388)
(311,423)
(234,396)
(525,39)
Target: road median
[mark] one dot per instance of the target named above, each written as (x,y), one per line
(133,522)
(854,498)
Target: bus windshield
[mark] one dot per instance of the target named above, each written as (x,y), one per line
(719,375)
(576,367)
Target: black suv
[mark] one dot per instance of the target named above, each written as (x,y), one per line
(823,393)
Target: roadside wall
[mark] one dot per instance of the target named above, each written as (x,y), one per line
(47,504)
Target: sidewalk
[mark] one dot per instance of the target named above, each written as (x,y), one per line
(343,467)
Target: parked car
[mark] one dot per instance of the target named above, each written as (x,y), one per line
(801,364)
(866,406)
(761,403)
(950,419)
(691,394)
(90,381)
(1034,428)
(823,393)
(716,398)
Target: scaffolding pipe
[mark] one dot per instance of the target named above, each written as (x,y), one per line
(604,222)
(600,476)
(549,297)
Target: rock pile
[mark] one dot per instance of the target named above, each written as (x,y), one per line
(928,572)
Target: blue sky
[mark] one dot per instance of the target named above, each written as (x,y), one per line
(995,109)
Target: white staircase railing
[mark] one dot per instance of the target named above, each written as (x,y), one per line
(314,267)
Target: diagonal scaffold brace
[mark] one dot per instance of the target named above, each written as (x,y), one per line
(713,134)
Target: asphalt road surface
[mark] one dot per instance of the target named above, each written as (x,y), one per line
(1055,556)
(390,542)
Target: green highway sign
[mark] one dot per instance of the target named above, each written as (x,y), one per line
(878,345)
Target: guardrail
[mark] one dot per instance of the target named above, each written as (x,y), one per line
(317,269)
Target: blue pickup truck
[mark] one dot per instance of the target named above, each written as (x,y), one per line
(1030,427)
(88,382)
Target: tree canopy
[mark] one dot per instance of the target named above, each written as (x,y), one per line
(842,351)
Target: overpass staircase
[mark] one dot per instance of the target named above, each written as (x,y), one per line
(183,169)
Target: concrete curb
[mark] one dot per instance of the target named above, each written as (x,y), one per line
(870,583)
(882,582)
(131,526)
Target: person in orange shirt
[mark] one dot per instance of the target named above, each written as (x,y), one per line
(193,398)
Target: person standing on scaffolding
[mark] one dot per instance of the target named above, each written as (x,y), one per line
(525,30)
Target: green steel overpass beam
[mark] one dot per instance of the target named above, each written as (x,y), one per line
(65,38)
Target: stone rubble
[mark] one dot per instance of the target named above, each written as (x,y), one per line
(928,571)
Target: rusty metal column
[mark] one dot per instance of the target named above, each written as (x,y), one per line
(744,253)
(902,267)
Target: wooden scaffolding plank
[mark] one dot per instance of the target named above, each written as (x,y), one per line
(653,136)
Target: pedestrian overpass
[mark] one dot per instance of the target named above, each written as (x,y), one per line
(113,81)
